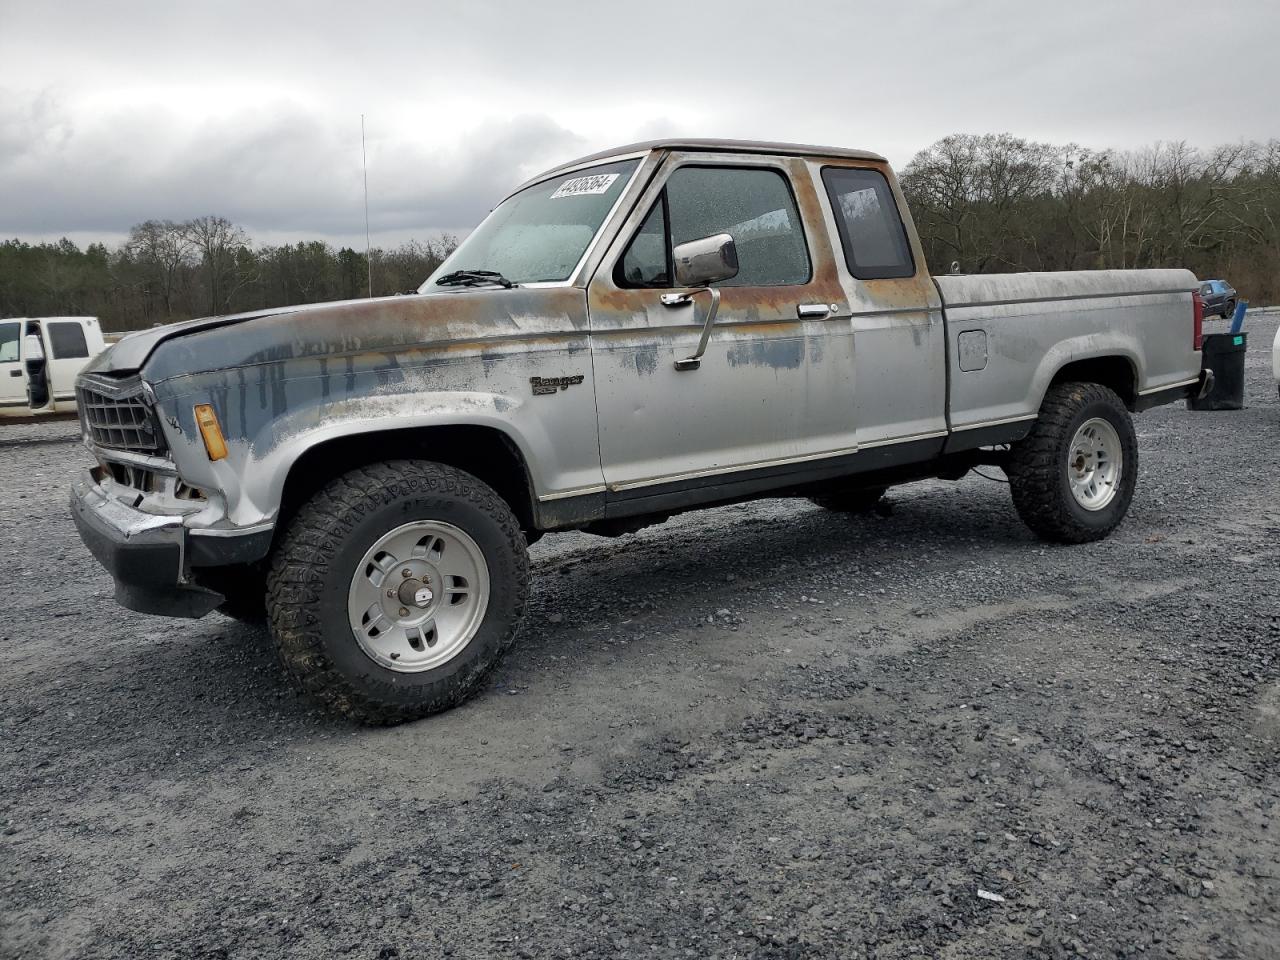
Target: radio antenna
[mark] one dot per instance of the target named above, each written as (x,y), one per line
(368,246)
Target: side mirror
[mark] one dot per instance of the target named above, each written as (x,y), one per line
(700,263)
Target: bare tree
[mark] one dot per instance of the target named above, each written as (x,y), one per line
(163,248)
(218,242)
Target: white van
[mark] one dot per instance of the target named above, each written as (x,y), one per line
(40,358)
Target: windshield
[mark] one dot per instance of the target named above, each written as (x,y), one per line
(9,334)
(540,233)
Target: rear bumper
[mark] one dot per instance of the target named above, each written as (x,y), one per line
(152,557)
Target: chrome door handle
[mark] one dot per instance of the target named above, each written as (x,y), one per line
(814,310)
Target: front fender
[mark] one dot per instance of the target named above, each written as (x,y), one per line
(555,434)
(296,434)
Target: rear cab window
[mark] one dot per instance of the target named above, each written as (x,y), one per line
(869,223)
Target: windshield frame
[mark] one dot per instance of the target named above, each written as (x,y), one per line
(624,197)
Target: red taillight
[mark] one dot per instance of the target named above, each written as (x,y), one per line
(1197,320)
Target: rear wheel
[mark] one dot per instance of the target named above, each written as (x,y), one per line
(396,589)
(1073,476)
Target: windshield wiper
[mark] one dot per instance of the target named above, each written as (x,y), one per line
(472,278)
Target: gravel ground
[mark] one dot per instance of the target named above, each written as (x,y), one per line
(760,731)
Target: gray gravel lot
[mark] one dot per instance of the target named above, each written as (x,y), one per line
(761,731)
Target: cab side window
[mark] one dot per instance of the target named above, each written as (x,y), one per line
(9,340)
(753,205)
(871,231)
(647,262)
(67,341)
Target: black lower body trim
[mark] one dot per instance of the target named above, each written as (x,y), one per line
(1173,394)
(568,513)
(207,551)
(742,484)
(991,436)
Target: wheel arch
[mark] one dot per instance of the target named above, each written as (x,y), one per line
(1117,371)
(487,452)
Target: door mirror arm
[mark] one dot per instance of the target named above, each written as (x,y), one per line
(679,300)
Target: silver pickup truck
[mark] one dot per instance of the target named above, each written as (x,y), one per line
(661,327)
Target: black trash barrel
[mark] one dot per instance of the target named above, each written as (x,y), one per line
(1224,355)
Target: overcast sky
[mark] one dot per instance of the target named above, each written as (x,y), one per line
(111,114)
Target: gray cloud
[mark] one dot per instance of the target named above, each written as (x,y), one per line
(281,168)
(114,114)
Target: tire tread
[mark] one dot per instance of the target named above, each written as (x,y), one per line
(1034,465)
(315,535)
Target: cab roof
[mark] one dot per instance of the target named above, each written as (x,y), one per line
(712,146)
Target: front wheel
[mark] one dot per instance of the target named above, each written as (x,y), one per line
(1229,310)
(396,589)
(1073,476)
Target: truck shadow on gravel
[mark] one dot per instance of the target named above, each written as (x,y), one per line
(217,674)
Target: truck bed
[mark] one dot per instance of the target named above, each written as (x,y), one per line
(1009,333)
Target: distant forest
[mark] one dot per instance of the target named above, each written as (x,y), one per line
(174,271)
(993,203)
(997,203)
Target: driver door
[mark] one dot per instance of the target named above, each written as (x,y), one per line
(13,385)
(774,390)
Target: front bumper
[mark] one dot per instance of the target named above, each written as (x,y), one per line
(154,559)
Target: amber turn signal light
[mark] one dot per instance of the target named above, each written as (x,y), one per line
(214,443)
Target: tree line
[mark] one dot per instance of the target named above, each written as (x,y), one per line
(999,203)
(990,203)
(169,271)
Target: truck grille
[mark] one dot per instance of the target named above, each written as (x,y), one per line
(115,416)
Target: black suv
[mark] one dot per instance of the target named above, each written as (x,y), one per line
(1219,298)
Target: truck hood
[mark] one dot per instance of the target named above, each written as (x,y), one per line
(385,325)
(130,352)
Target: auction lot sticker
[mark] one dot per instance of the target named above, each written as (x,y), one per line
(585,186)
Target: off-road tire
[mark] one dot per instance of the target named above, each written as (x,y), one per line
(310,575)
(851,501)
(1038,465)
